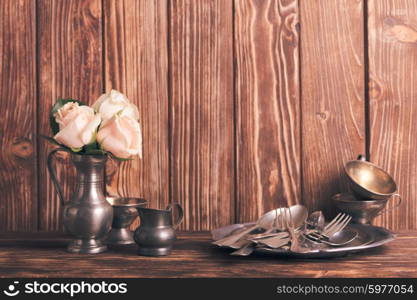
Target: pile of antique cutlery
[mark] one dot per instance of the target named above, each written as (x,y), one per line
(289,228)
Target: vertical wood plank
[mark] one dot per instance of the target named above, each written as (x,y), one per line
(136,54)
(392,27)
(268,112)
(70,65)
(202,135)
(18,158)
(332,72)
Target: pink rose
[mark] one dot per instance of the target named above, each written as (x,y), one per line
(113,103)
(77,125)
(121,135)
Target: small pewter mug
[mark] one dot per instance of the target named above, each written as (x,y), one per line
(156,234)
(124,213)
(87,215)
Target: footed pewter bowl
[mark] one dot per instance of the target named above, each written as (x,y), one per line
(124,213)
(362,211)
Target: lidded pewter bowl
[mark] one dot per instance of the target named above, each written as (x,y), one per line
(124,213)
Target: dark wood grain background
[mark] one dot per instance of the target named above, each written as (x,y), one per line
(245,105)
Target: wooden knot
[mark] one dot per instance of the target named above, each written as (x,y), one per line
(376,89)
(323,115)
(396,30)
(22,148)
(291,26)
(297,27)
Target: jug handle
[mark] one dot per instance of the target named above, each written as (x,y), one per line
(392,208)
(180,213)
(53,174)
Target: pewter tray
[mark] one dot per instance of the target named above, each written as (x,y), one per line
(368,237)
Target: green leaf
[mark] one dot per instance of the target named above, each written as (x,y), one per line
(53,141)
(58,104)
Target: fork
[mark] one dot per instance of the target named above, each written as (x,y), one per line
(295,245)
(336,225)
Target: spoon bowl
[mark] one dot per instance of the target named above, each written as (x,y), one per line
(298,214)
(343,237)
(338,239)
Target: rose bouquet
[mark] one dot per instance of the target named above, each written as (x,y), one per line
(111,126)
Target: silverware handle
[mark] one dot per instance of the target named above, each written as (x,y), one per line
(180,213)
(228,240)
(53,173)
(400,199)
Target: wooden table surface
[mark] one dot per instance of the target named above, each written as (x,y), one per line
(44,255)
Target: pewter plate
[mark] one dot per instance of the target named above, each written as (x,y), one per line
(368,237)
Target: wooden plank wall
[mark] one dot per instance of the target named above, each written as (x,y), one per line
(267,106)
(393,100)
(136,62)
(69,65)
(333,95)
(201,111)
(245,105)
(18,108)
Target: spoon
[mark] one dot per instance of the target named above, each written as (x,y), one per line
(298,213)
(265,235)
(245,250)
(240,243)
(264,222)
(273,242)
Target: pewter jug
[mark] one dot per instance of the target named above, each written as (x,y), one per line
(156,233)
(87,215)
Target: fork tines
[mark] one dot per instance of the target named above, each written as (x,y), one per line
(340,222)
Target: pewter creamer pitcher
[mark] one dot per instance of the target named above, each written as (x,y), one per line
(87,215)
(156,233)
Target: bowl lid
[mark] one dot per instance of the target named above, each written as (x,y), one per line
(370,177)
